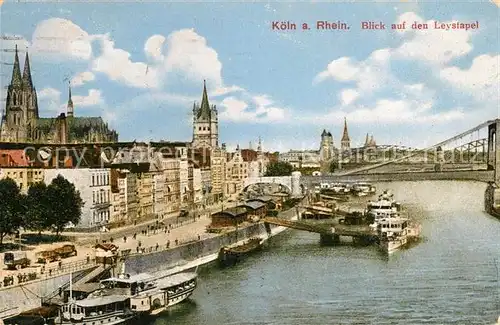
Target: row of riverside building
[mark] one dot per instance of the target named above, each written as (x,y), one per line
(120,182)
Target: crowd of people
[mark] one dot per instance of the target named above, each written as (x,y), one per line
(21,278)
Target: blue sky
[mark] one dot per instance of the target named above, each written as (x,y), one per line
(141,66)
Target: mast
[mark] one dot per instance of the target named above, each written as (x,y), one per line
(70,286)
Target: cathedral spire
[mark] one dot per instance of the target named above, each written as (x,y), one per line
(367,140)
(345,135)
(70,109)
(16,72)
(204,112)
(27,82)
(259,147)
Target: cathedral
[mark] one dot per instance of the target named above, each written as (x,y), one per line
(205,124)
(21,121)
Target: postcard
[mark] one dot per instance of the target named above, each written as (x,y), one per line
(237,162)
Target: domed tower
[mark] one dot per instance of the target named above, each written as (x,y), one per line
(326,146)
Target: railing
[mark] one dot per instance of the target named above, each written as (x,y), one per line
(8,312)
(45,273)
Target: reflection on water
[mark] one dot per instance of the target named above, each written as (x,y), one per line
(448,278)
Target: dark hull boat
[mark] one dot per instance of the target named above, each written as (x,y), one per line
(230,255)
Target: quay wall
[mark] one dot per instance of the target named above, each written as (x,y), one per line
(157,261)
(21,298)
(28,296)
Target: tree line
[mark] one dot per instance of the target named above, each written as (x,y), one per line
(44,207)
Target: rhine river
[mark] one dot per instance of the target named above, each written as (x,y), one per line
(448,278)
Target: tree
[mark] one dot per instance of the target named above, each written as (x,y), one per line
(64,204)
(12,208)
(279,168)
(38,214)
(333,166)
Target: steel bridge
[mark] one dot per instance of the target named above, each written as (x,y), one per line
(473,150)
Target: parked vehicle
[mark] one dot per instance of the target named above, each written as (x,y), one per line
(47,257)
(16,260)
(56,254)
(66,251)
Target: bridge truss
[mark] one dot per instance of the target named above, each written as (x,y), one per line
(467,150)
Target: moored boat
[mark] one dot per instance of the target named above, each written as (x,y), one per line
(395,233)
(230,255)
(127,297)
(384,207)
(363,189)
(168,292)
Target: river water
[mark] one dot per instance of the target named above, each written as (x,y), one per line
(448,278)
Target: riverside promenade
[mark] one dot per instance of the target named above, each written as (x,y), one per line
(171,231)
(184,246)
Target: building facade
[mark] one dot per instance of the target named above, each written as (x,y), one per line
(236,173)
(218,173)
(301,158)
(23,176)
(21,121)
(95,190)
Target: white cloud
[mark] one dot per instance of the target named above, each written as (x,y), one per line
(481,79)
(189,53)
(49,94)
(82,78)
(224,91)
(432,45)
(348,96)
(153,47)
(116,64)
(61,38)
(237,110)
(262,100)
(52,101)
(94,97)
(49,99)
(369,74)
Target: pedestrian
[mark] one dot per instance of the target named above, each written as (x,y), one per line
(124,239)
(157,246)
(176,242)
(199,237)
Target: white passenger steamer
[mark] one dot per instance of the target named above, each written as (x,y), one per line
(120,299)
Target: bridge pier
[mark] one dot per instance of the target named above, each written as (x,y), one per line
(492,193)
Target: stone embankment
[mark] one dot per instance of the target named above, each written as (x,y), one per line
(153,261)
(183,244)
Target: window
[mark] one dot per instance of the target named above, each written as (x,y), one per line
(93,180)
(93,197)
